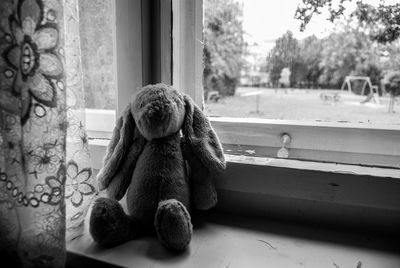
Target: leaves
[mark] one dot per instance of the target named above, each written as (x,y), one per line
(223,46)
(285,54)
(382,22)
(326,62)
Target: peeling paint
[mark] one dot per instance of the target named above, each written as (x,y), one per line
(251,151)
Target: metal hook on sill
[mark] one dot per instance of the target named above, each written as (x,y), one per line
(283,152)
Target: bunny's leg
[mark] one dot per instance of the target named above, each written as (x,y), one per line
(109,225)
(173,224)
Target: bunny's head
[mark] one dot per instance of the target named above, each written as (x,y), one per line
(158,111)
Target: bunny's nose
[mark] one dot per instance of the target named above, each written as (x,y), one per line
(156,114)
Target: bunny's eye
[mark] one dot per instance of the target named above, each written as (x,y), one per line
(142,104)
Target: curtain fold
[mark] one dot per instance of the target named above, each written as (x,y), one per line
(46,183)
(80,188)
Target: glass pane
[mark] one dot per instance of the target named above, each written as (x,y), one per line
(259,64)
(96,31)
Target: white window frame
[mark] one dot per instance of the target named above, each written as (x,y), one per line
(356,189)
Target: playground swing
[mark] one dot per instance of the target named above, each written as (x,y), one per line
(373,95)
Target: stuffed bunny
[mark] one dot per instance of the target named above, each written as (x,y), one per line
(146,158)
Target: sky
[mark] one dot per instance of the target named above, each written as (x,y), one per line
(266,20)
(269,19)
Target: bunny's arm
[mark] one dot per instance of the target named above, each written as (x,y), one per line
(202,185)
(203,151)
(122,178)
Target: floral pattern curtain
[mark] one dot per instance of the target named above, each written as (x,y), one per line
(46,182)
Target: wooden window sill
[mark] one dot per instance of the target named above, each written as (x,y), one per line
(99,146)
(363,198)
(231,241)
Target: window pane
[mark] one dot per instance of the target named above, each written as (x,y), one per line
(259,64)
(96,31)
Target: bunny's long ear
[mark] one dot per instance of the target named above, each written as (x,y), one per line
(202,139)
(124,148)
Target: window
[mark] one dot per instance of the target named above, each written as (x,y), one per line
(255,176)
(112,64)
(119,74)
(249,133)
(97,32)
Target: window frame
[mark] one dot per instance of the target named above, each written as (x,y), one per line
(174,53)
(327,185)
(350,143)
(346,143)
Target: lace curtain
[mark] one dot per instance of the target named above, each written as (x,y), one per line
(46,183)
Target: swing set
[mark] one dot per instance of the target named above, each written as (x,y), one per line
(373,89)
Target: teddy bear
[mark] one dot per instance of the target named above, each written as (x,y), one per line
(164,156)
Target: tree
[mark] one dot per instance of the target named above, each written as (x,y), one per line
(298,74)
(223,46)
(348,52)
(310,58)
(391,82)
(284,55)
(306,68)
(391,56)
(382,22)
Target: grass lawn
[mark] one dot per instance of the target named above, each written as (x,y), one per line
(303,104)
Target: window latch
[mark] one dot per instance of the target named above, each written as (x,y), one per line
(283,152)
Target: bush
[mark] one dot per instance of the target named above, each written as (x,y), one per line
(391,82)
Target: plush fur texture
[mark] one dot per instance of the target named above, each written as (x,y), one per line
(146,161)
(173,225)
